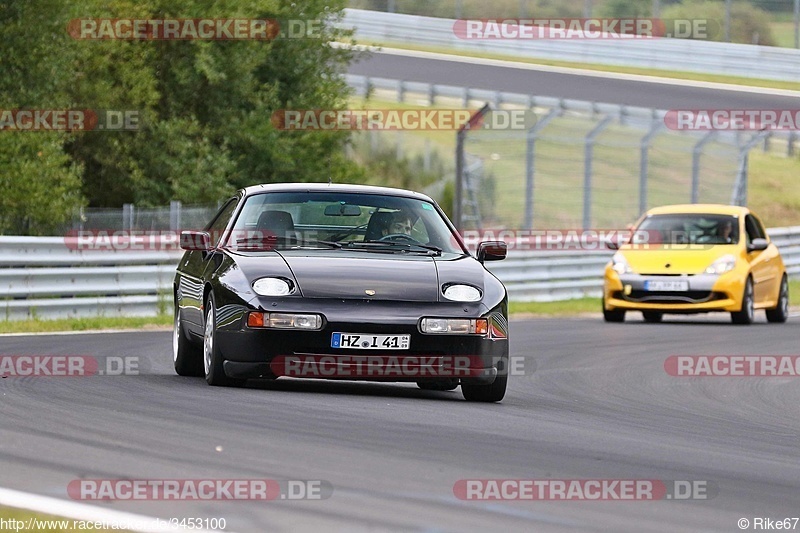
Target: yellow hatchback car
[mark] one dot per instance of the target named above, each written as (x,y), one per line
(697,259)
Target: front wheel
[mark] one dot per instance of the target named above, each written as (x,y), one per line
(212,359)
(780,313)
(479,392)
(747,313)
(615,315)
(186,357)
(652,316)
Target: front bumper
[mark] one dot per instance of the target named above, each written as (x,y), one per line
(706,293)
(268,353)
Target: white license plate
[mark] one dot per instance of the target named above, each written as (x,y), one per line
(666,285)
(367,341)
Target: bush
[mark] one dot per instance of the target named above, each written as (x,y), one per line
(749,24)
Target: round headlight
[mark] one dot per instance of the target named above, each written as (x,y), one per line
(462,293)
(271,287)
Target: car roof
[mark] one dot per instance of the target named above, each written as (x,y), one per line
(710,209)
(333,187)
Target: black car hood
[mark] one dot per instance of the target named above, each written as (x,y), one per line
(350,274)
(341,274)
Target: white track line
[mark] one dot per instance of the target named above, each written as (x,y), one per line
(82,511)
(86,332)
(576,71)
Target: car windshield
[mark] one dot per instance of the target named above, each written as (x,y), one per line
(332,220)
(691,229)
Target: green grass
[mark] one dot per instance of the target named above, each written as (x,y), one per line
(85,324)
(10,513)
(682,75)
(562,308)
(783,32)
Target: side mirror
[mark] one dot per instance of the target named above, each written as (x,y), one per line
(612,245)
(492,251)
(757,245)
(195,241)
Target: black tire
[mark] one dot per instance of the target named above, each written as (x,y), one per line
(747,313)
(780,312)
(652,316)
(445,385)
(615,315)
(212,359)
(479,392)
(186,357)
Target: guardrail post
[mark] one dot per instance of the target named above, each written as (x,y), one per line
(367,86)
(432,94)
(174,215)
(401,91)
(466,97)
(530,159)
(766,141)
(127,217)
(426,161)
(797,23)
(644,153)
(587,170)
(739,196)
(399,146)
(697,151)
(790,141)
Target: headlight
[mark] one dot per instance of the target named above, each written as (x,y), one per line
(454,326)
(462,293)
(620,264)
(272,287)
(722,265)
(284,321)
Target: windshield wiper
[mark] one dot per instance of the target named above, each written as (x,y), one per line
(269,242)
(395,246)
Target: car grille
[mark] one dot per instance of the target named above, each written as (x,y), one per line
(669,297)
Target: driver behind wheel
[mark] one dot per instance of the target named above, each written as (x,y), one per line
(400,224)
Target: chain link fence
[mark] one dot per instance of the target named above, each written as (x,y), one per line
(175,217)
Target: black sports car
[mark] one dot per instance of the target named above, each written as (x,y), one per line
(340,282)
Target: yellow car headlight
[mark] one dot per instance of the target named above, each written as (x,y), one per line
(620,264)
(726,263)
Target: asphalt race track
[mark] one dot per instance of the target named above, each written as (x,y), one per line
(595,403)
(674,95)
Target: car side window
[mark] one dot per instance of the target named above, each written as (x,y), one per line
(753,229)
(762,234)
(220,222)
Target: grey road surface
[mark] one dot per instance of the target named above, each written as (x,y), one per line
(575,86)
(595,403)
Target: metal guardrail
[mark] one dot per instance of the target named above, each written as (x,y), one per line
(43,277)
(731,59)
